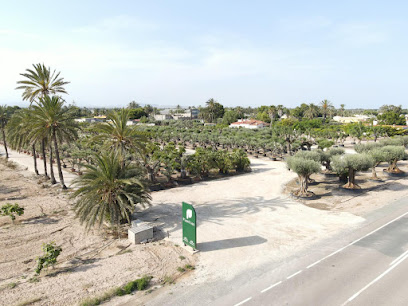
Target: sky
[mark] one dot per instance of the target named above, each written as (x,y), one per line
(246,53)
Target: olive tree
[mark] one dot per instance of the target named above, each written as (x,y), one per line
(378,157)
(392,154)
(352,164)
(326,156)
(304,168)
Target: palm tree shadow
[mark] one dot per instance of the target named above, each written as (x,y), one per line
(167,216)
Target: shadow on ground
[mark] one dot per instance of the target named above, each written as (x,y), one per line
(230,243)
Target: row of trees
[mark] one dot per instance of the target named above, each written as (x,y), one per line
(369,155)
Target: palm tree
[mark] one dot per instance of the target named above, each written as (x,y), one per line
(115,133)
(18,131)
(325,105)
(40,82)
(109,191)
(312,111)
(52,120)
(4,116)
(342,109)
(272,113)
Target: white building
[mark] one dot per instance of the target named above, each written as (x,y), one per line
(249,124)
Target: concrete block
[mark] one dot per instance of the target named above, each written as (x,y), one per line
(140,233)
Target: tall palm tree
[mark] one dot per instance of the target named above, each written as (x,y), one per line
(56,122)
(40,82)
(108,191)
(4,117)
(18,132)
(116,134)
(325,106)
(312,111)
(342,109)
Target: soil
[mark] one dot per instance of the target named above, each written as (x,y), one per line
(90,263)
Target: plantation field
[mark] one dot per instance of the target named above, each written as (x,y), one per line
(90,263)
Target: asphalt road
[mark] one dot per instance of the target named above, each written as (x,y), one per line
(372,269)
(367,266)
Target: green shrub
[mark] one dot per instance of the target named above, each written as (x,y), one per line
(240,160)
(11,210)
(51,252)
(138,284)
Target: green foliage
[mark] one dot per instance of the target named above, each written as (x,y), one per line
(392,154)
(115,133)
(391,118)
(212,111)
(41,81)
(302,166)
(138,284)
(137,113)
(356,162)
(367,147)
(109,191)
(51,252)
(230,117)
(222,160)
(324,143)
(240,160)
(11,210)
(310,155)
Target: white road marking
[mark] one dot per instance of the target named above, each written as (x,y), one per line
(399,257)
(294,274)
(376,279)
(355,241)
(270,287)
(244,301)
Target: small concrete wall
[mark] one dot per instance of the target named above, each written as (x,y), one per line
(140,233)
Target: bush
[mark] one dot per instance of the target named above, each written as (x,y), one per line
(11,210)
(139,284)
(51,252)
(240,160)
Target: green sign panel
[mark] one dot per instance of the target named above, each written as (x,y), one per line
(189,225)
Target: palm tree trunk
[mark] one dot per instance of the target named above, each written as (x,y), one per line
(53,181)
(44,157)
(35,159)
(61,177)
(4,140)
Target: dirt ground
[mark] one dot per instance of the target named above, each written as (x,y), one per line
(241,219)
(90,264)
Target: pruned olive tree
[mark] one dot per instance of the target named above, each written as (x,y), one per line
(351,164)
(392,154)
(326,157)
(304,168)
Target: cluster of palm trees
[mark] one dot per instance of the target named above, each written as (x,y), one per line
(46,122)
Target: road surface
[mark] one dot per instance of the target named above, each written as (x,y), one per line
(368,266)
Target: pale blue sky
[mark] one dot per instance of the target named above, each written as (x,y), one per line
(185,52)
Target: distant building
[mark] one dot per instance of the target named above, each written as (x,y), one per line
(249,124)
(160,117)
(356,118)
(177,114)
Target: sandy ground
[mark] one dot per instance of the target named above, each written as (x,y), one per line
(241,219)
(244,216)
(26,162)
(89,264)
